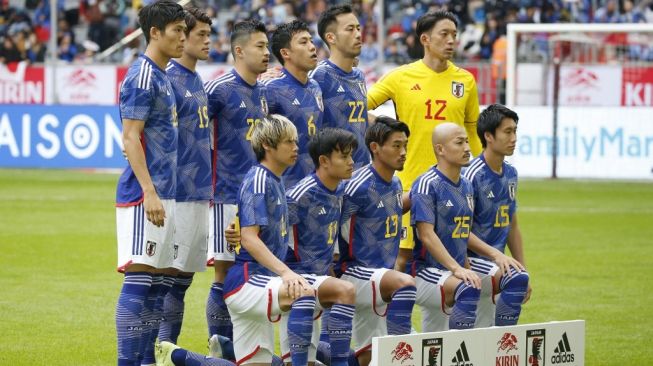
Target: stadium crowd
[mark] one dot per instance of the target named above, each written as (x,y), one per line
(87,27)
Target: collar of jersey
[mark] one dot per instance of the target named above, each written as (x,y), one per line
(241,80)
(444,177)
(271,174)
(503,167)
(152,62)
(378,176)
(291,77)
(321,185)
(338,69)
(450,67)
(182,67)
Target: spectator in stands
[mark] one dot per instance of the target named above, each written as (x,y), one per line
(67,49)
(608,13)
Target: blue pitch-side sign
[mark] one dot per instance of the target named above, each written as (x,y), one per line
(33,136)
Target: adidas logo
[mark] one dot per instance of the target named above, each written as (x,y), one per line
(562,353)
(188,94)
(449,203)
(462,357)
(380,205)
(416,87)
(322,211)
(341,89)
(295,102)
(490,195)
(242,104)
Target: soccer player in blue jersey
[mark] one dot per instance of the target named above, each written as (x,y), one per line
(442,207)
(314,206)
(237,102)
(294,94)
(369,239)
(259,286)
(343,85)
(194,186)
(147,188)
(495,217)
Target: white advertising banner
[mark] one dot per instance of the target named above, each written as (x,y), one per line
(589,85)
(84,84)
(553,343)
(593,142)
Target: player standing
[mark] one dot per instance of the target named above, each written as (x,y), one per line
(194,186)
(495,217)
(147,187)
(343,86)
(314,206)
(369,240)
(237,103)
(426,93)
(293,94)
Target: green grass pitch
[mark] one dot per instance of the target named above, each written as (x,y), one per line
(589,248)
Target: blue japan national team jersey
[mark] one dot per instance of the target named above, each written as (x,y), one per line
(371,221)
(262,202)
(235,107)
(193,144)
(302,104)
(449,208)
(146,95)
(495,201)
(345,103)
(314,214)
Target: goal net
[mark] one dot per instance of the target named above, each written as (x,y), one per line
(584,93)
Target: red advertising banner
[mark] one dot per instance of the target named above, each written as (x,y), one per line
(637,87)
(20,84)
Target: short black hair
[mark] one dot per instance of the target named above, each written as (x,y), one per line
(194,15)
(282,36)
(427,21)
(328,140)
(329,17)
(159,14)
(243,30)
(491,118)
(381,130)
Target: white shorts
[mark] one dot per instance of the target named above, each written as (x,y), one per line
(315,282)
(253,309)
(369,317)
(430,298)
(222,215)
(191,235)
(486,307)
(140,241)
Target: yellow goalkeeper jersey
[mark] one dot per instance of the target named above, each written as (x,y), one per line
(423,99)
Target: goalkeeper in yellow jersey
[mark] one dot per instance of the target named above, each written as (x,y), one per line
(426,93)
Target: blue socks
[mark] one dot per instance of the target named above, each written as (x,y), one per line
(339,328)
(300,329)
(324,328)
(513,292)
(400,310)
(217,315)
(160,286)
(463,315)
(129,311)
(182,357)
(173,310)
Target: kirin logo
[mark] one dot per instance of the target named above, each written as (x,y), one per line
(402,353)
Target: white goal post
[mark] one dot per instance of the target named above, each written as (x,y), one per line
(515,29)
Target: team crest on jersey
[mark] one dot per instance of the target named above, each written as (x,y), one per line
(361,86)
(320,103)
(512,187)
(264,105)
(457,89)
(470,201)
(150,248)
